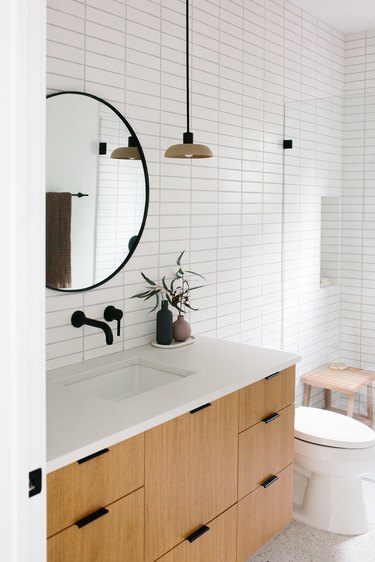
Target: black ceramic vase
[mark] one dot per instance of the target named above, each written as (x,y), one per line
(164,323)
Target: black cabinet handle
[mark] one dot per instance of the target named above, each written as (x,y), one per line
(92,517)
(93,456)
(272,376)
(271,417)
(269,481)
(194,536)
(200,408)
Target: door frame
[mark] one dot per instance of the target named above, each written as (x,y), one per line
(22,397)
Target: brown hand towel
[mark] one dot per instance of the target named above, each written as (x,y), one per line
(58,245)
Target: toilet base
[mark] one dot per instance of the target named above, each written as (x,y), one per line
(330,504)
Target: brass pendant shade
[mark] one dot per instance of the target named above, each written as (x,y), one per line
(129,152)
(188,149)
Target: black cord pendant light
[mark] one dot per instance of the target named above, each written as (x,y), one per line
(188,149)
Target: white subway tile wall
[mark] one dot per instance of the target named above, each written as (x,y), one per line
(358,224)
(313,173)
(248,58)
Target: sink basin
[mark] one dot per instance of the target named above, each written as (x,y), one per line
(122,380)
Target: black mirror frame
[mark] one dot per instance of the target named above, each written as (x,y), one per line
(147,188)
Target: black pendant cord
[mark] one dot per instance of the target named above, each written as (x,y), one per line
(187,69)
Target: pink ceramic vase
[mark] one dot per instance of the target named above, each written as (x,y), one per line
(181,329)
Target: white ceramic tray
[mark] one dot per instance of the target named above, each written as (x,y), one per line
(174,344)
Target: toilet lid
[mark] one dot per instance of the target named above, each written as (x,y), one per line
(331,429)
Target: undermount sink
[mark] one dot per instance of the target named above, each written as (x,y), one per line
(120,381)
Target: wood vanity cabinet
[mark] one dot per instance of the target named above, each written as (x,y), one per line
(190,473)
(116,536)
(212,485)
(217,544)
(266,444)
(92,514)
(263,513)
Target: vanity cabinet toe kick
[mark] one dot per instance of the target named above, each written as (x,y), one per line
(186,490)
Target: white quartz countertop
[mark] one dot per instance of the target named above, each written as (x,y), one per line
(81,424)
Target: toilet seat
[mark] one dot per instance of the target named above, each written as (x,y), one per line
(322,427)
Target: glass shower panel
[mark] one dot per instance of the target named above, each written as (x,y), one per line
(368,262)
(313,169)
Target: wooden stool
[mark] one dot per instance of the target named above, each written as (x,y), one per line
(347,382)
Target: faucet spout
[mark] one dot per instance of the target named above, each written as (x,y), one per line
(79,319)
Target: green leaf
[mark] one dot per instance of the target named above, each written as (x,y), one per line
(179,258)
(175,278)
(140,295)
(199,275)
(152,293)
(165,285)
(191,308)
(157,303)
(199,287)
(148,280)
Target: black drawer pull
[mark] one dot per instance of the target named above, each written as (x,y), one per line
(272,376)
(93,456)
(269,481)
(90,518)
(200,408)
(271,417)
(194,536)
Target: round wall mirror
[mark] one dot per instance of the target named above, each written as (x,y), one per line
(97,191)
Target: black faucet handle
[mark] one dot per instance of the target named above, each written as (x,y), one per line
(112,313)
(78,318)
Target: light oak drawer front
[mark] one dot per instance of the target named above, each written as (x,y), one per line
(115,536)
(217,543)
(190,473)
(265,397)
(265,449)
(83,487)
(263,513)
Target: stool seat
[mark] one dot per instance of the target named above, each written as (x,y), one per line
(347,382)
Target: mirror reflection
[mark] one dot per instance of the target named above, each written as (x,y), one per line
(95,204)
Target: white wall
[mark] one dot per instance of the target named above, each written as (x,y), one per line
(248,57)
(358,256)
(313,169)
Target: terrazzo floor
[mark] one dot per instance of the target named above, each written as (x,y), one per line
(300,543)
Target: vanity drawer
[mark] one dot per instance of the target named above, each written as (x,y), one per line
(191,466)
(84,486)
(116,536)
(216,543)
(265,449)
(266,396)
(263,513)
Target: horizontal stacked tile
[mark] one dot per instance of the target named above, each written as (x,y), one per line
(248,57)
(358,262)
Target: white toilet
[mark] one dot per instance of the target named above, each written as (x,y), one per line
(331,451)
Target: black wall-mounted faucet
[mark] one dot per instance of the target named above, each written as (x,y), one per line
(112,313)
(79,319)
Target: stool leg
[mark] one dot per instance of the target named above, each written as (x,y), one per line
(350,405)
(369,402)
(307,395)
(327,398)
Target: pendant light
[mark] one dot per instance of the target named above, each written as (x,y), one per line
(188,149)
(129,152)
